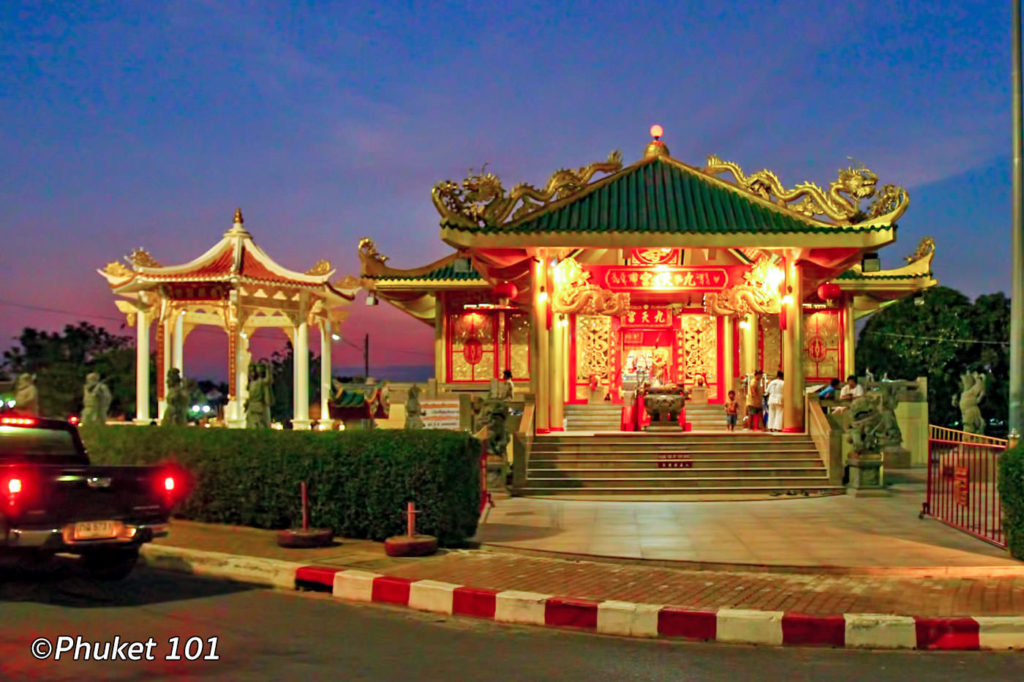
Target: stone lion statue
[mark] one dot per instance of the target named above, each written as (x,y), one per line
(96,400)
(973,392)
(26,396)
(871,424)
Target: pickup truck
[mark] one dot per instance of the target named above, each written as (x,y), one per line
(53,501)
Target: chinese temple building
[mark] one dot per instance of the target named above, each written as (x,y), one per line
(237,287)
(658,272)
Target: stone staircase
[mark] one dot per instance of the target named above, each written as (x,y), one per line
(649,464)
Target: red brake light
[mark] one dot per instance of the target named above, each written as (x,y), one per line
(13,486)
(17,421)
(169,483)
(73,421)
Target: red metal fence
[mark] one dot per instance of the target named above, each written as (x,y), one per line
(963,483)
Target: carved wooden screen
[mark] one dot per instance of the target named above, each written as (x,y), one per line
(699,337)
(822,350)
(593,348)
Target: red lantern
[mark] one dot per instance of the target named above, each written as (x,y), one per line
(506,290)
(829,291)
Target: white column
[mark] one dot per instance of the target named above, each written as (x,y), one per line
(326,386)
(242,360)
(142,368)
(165,350)
(300,412)
(178,357)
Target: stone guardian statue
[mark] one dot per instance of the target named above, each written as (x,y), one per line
(261,397)
(26,396)
(413,411)
(95,401)
(972,393)
(176,412)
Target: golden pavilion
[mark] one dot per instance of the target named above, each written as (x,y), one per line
(658,271)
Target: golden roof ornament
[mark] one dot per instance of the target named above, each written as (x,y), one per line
(841,203)
(481,201)
(238,217)
(656,147)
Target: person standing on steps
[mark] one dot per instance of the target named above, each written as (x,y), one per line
(755,399)
(731,408)
(775,391)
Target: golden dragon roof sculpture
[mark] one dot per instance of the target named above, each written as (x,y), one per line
(481,201)
(841,203)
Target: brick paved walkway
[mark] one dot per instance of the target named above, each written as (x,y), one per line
(812,593)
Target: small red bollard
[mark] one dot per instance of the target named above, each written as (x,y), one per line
(305,537)
(411,511)
(410,544)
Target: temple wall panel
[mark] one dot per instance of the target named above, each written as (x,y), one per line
(770,356)
(481,344)
(823,345)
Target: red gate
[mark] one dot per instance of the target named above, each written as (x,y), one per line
(963,487)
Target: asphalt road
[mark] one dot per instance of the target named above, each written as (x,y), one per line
(267,635)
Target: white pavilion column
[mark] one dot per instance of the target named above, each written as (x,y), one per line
(300,367)
(325,374)
(178,353)
(793,351)
(243,359)
(142,367)
(164,349)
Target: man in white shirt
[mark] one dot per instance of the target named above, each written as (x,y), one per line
(852,389)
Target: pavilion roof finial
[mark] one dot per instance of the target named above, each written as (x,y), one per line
(656,147)
(238,217)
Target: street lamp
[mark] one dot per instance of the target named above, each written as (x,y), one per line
(1016,412)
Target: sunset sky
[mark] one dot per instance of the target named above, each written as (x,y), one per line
(146,124)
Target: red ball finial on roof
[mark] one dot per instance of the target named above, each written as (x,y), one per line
(656,147)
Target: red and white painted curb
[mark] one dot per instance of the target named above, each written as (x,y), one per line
(863,630)
(857,630)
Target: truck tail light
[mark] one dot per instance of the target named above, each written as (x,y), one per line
(13,490)
(171,484)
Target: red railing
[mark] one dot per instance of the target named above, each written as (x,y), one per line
(963,487)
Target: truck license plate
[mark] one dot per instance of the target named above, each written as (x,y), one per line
(93,530)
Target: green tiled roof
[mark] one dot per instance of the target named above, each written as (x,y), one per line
(860,276)
(664,196)
(350,399)
(443,273)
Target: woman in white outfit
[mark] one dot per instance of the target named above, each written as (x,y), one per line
(774,393)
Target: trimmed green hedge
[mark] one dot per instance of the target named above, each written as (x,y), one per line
(1011,493)
(359,481)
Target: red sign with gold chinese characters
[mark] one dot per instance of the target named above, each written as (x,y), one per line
(647,317)
(666,277)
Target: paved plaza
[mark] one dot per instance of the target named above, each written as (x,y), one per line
(833,531)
